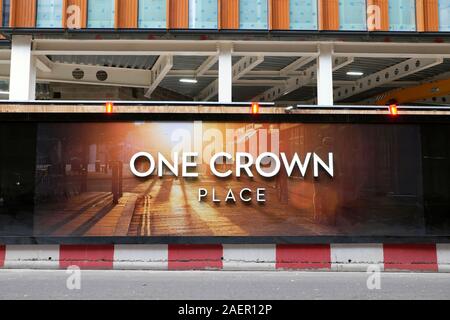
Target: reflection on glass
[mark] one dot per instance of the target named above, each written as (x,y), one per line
(402,15)
(352,15)
(444,15)
(152,14)
(203,14)
(6,12)
(49,14)
(303,14)
(101,14)
(253,14)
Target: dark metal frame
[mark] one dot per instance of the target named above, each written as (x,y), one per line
(287,117)
(30,240)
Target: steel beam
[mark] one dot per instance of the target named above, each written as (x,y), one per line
(123,77)
(297,82)
(124,47)
(209,92)
(391,50)
(245,65)
(5,57)
(206,65)
(241,48)
(159,72)
(44,64)
(240,68)
(385,76)
(297,64)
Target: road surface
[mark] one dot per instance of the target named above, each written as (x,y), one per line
(27,284)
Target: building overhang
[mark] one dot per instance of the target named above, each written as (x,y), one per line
(227,35)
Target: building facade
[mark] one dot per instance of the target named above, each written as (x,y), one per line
(384,15)
(266,73)
(141,36)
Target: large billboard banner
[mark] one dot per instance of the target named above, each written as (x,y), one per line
(208,179)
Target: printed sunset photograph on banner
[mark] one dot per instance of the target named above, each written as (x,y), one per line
(267,179)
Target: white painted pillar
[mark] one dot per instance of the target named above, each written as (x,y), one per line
(22,83)
(225,73)
(325,75)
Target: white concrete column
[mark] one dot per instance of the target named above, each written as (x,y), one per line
(22,83)
(325,75)
(225,73)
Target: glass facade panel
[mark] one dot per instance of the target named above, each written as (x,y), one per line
(352,15)
(402,15)
(203,14)
(5,13)
(101,14)
(152,14)
(49,14)
(303,14)
(253,14)
(444,15)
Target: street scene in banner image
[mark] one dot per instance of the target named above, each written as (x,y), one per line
(84,185)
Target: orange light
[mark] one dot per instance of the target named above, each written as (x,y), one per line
(255,108)
(393,110)
(109,107)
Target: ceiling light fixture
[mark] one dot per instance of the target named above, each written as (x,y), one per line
(188,80)
(355,73)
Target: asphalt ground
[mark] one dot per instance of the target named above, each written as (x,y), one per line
(220,285)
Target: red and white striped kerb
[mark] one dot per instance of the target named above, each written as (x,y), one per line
(323,257)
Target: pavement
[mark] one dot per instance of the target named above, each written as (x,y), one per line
(172,285)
